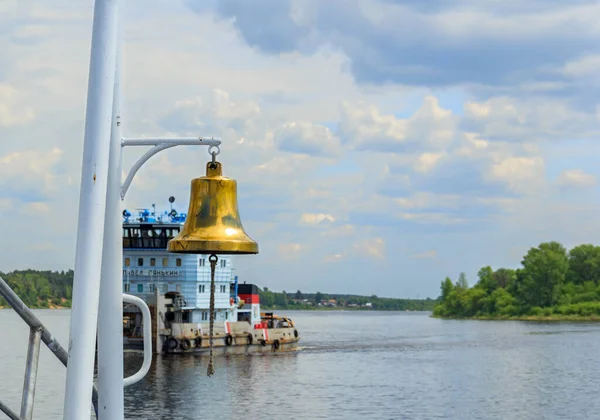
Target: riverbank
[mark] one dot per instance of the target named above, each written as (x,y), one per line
(40,307)
(337,309)
(533,318)
(48,304)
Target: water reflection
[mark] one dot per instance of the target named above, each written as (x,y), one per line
(179,385)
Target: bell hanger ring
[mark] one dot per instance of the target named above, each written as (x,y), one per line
(214,151)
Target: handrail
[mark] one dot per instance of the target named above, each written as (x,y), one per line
(6,410)
(147,320)
(37,331)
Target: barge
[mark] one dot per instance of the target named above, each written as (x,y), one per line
(176,288)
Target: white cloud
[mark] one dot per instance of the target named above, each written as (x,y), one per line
(427,161)
(342,230)
(317,218)
(30,172)
(290,251)
(303,137)
(334,257)
(5,204)
(12,109)
(428,255)
(364,127)
(432,218)
(527,120)
(576,178)
(371,247)
(472,144)
(588,65)
(424,200)
(37,208)
(521,174)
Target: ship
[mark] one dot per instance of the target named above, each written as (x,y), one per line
(176,288)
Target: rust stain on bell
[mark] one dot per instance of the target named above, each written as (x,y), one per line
(213,224)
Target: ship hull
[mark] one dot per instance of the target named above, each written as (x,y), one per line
(219,348)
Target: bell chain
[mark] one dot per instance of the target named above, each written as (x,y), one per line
(213,265)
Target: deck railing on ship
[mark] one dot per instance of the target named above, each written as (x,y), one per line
(37,333)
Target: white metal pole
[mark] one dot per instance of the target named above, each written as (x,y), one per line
(92,206)
(110,315)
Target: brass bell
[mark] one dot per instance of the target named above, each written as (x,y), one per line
(213,223)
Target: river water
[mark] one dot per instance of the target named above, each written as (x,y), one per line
(352,365)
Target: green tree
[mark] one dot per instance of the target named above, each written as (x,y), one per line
(543,274)
(267,299)
(281,299)
(486,280)
(505,278)
(299,295)
(584,264)
(318,298)
(462,282)
(446,287)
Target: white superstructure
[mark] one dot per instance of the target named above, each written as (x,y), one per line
(148,268)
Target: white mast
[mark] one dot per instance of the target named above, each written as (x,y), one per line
(92,207)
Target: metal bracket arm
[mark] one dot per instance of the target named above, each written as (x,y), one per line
(160,144)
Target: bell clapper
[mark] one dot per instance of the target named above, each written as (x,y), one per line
(213,265)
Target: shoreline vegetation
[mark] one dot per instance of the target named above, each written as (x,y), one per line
(552,284)
(40,289)
(335,301)
(52,290)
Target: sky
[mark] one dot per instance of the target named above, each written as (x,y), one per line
(379,145)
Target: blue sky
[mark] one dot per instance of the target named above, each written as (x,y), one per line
(379,145)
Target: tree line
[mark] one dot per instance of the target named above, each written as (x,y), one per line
(299,300)
(551,282)
(46,289)
(40,289)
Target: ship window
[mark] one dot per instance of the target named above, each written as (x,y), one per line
(201,288)
(223,263)
(178,262)
(127,288)
(127,262)
(202,262)
(136,242)
(140,262)
(152,262)
(165,262)
(178,288)
(204,316)
(140,288)
(152,287)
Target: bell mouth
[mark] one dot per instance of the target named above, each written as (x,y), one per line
(186,246)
